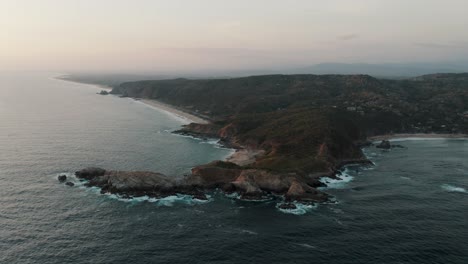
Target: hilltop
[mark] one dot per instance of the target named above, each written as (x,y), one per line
(307,126)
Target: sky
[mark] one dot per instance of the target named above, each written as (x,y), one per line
(182,35)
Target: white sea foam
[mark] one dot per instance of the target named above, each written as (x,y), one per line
(211,142)
(304,245)
(341,182)
(300,209)
(70,178)
(237,196)
(452,188)
(233,195)
(420,139)
(166,201)
(248,232)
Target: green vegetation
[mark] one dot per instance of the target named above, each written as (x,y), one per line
(310,123)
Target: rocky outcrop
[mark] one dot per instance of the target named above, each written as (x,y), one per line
(199,130)
(62,178)
(137,183)
(216,174)
(90,173)
(251,184)
(385,144)
(257,183)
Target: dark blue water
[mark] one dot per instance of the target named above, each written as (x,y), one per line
(410,208)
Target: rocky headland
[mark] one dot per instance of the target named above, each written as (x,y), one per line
(289,130)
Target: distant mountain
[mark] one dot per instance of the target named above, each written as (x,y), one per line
(393,71)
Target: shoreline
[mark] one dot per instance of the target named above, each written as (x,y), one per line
(66,79)
(189,118)
(417,136)
(240,157)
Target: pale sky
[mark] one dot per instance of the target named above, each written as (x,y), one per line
(152,35)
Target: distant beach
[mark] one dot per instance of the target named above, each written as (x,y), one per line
(189,118)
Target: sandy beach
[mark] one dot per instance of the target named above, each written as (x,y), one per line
(400,136)
(189,118)
(240,157)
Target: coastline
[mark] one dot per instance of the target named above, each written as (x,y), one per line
(417,136)
(187,117)
(66,78)
(240,157)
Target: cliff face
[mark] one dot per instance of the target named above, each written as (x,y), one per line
(300,140)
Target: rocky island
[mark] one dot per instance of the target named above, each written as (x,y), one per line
(300,127)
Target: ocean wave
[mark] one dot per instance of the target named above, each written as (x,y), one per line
(421,139)
(168,201)
(304,245)
(300,209)
(453,188)
(245,231)
(71,178)
(237,196)
(340,182)
(210,141)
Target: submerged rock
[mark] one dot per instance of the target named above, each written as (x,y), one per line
(62,178)
(385,144)
(287,206)
(71,184)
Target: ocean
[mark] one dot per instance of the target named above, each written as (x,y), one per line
(409,208)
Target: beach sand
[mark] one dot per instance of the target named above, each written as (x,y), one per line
(189,118)
(240,157)
(396,136)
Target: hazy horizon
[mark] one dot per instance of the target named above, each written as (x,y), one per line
(208,35)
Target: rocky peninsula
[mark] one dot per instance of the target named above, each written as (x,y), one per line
(289,130)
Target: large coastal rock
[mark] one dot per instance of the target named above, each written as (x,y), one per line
(214,175)
(257,183)
(90,173)
(135,183)
(251,184)
(385,144)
